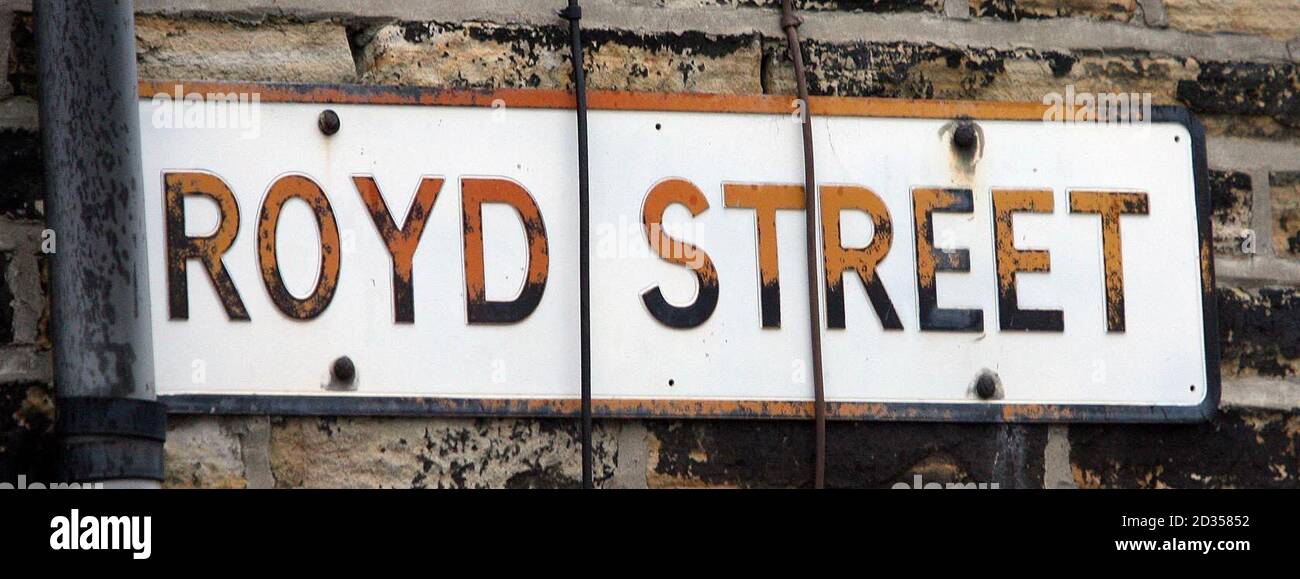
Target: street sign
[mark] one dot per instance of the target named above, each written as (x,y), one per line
(365,250)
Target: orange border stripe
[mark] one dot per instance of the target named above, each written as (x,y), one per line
(606,100)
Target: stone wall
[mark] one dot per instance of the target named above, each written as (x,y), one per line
(1235,63)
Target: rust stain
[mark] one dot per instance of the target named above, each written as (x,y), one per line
(1207,267)
(754,409)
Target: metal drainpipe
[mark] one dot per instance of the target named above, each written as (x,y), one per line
(110,426)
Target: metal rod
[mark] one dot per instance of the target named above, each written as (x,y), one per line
(790,22)
(573,13)
(111,426)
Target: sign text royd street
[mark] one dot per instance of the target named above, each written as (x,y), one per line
(435,246)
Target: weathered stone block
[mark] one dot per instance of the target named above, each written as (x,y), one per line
(1231,195)
(476,55)
(1137,74)
(907,70)
(202,452)
(1122,10)
(434,453)
(23,293)
(1240,448)
(21,66)
(805,5)
(1259,331)
(883,69)
(19,113)
(1284,193)
(1275,18)
(717,453)
(272,50)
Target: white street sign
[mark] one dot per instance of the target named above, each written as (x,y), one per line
(1066,261)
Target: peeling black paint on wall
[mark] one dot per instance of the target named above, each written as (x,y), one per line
(897,69)
(450,449)
(21,68)
(528,46)
(1231,198)
(999,9)
(529,42)
(1259,331)
(1254,449)
(1060,63)
(6,302)
(1011,10)
(1229,191)
(22,185)
(1285,188)
(1245,88)
(547,477)
(859,454)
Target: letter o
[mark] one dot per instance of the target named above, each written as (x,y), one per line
(284,189)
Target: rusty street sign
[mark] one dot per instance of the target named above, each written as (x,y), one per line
(365,250)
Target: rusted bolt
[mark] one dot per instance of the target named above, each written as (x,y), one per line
(964,135)
(986,385)
(344,371)
(328,122)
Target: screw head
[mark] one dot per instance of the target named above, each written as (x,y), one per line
(328,122)
(343,369)
(964,135)
(986,386)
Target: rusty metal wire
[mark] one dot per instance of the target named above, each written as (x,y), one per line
(573,13)
(790,23)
